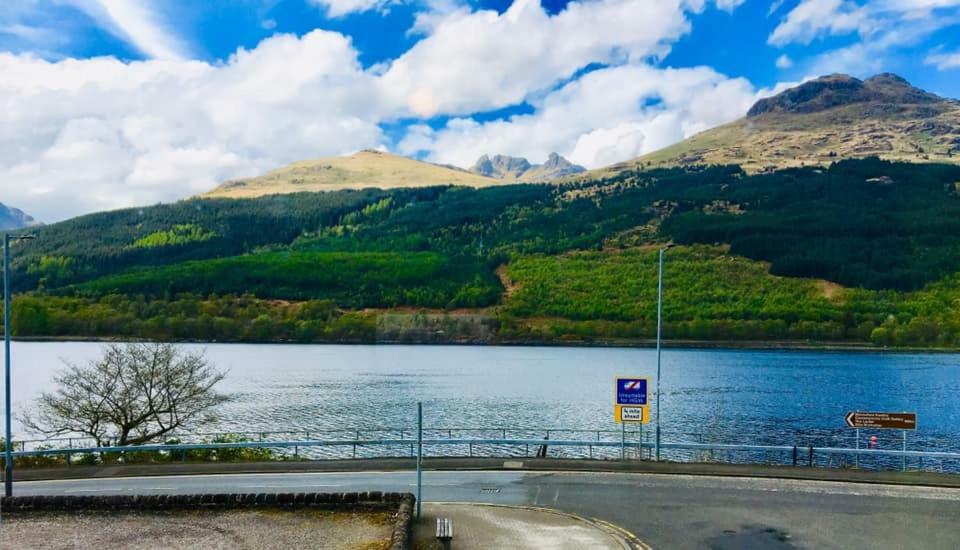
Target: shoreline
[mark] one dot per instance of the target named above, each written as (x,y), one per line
(731,345)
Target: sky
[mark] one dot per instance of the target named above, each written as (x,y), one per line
(114,103)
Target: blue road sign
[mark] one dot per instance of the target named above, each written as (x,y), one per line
(631,391)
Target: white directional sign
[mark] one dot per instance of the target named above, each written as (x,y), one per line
(632,414)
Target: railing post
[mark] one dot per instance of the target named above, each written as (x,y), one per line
(419,457)
(810,456)
(857,435)
(904,450)
(471,449)
(794,455)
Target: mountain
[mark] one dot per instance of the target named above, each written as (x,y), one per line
(364,169)
(13,218)
(862,251)
(822,120)
(519,169)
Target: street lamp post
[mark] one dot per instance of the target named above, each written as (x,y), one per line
(659,331)
(8,472)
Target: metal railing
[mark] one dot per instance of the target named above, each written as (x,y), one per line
(596,448)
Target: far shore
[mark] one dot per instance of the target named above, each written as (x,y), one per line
(756,345)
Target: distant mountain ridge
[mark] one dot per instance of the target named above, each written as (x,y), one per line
(14,218)
(820,121)
(520,169)
(364,169)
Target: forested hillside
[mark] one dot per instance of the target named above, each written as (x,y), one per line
(861,251)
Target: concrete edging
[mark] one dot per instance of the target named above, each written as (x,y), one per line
(403,503)
(800,473)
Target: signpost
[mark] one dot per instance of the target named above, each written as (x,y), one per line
(630,405)
(882,421)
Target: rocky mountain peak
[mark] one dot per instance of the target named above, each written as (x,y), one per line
(500,166)
(837,90)
(520,169)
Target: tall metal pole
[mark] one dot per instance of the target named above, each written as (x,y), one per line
(8,471)
(419,457)
(659,330)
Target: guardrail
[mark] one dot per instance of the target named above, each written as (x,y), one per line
(797,455)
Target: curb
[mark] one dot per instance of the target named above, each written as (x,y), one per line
(799,473)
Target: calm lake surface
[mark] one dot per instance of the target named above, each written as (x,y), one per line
(717,395)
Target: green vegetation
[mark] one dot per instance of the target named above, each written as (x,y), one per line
(177,235)
(359,280)
(711,295)
(863,251)
(188,317)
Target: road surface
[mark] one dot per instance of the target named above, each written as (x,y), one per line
(666,511)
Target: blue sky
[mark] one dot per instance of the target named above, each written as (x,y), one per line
(122,102)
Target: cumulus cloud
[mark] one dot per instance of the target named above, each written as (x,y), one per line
(608,115)
(475,61)
(81,135)
(784,62)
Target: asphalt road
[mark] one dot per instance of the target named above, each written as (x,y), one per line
(666,511)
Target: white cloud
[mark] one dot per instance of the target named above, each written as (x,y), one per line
(475,61)
(339,8)
(944,61)
(814,18)
(729,5)
(77,136)
(138,22)
(784,62)
(607,116)
(882,26)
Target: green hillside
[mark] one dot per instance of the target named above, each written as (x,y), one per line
(861,251)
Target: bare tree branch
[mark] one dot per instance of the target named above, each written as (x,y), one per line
(133,394)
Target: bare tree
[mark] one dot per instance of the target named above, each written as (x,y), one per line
(133,394)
